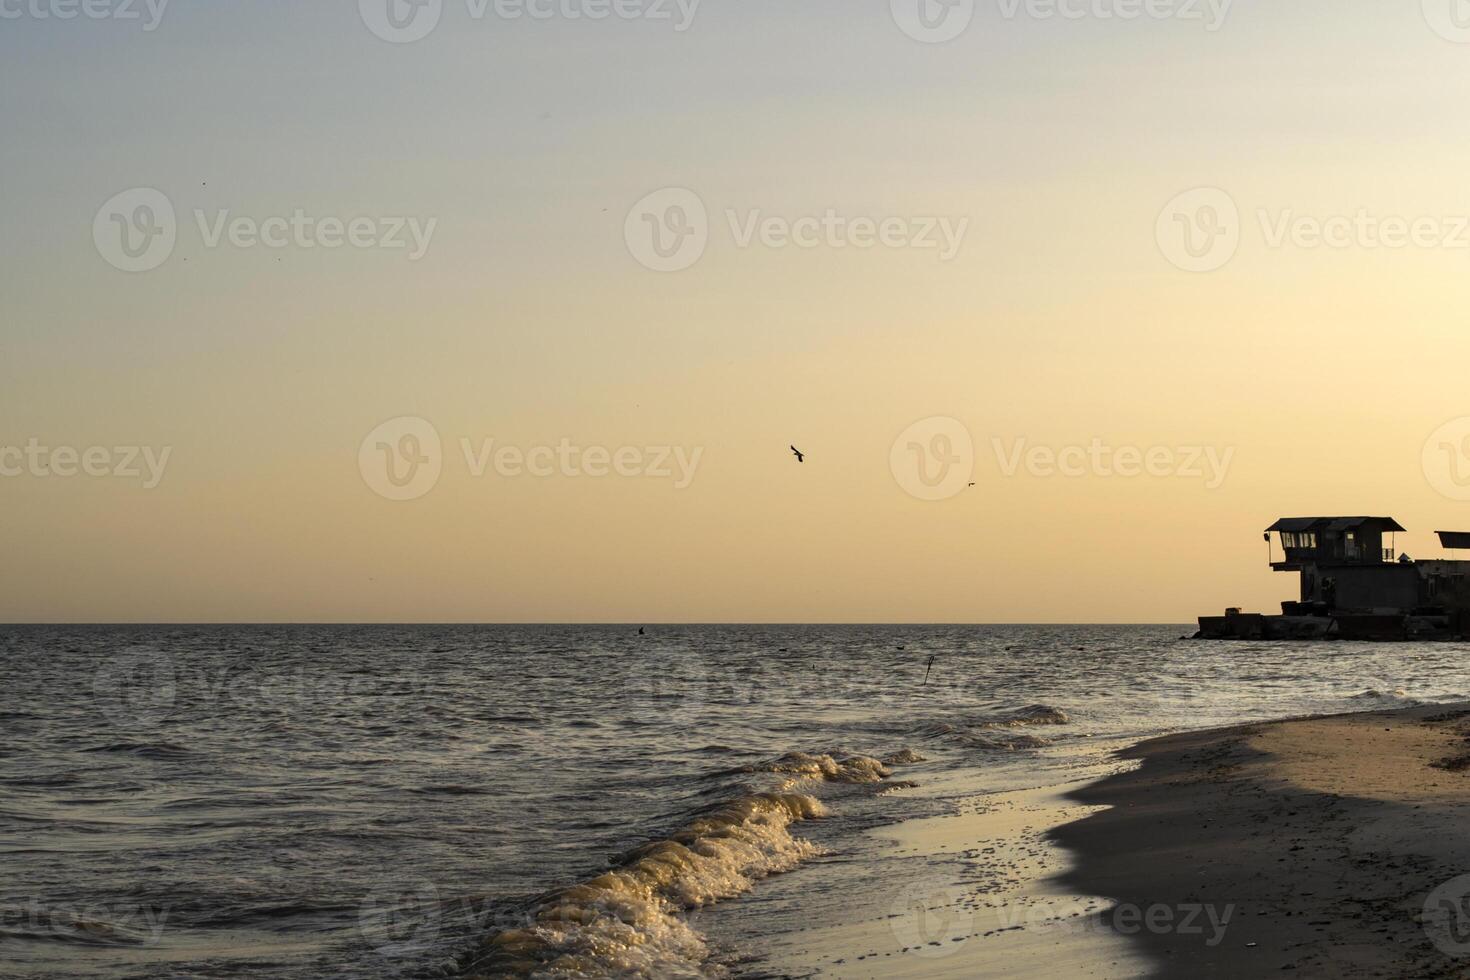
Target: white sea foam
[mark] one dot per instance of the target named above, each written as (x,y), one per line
(626,923)
(799,766)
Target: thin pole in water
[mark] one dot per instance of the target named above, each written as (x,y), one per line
(926,671)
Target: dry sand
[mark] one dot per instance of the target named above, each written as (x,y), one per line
(1305,848)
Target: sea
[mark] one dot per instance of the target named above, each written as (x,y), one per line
(554,801)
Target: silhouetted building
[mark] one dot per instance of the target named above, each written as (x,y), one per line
(1354,585)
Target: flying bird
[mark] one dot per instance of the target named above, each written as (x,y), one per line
(800,456)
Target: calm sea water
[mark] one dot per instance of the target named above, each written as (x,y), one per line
(553,801)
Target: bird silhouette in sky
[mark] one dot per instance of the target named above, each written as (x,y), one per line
(800,456)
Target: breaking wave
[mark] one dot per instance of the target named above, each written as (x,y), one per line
(626,922)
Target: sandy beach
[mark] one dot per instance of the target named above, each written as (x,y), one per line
(1319,847)
(1325,838)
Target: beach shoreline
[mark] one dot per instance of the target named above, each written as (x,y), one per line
(1320,840)
(1314,846)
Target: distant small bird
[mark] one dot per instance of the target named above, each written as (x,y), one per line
(800,456)
(971,484)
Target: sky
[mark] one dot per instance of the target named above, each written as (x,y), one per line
(309,318)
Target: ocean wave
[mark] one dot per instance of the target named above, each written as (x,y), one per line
(1372,694)
(626,922)
(998,731)
(799,766)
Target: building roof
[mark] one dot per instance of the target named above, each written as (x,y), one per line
(1454,540)
(1295,524)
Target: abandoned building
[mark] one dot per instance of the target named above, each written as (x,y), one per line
(1354,585)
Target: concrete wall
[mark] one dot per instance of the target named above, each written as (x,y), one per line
(1373,586)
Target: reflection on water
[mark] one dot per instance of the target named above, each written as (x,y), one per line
(410,801)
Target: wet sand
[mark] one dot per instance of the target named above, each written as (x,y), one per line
(1323,838)
(1303,848)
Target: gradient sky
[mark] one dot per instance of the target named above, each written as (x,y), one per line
(529,321)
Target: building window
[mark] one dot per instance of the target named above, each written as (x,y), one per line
(1291,539)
